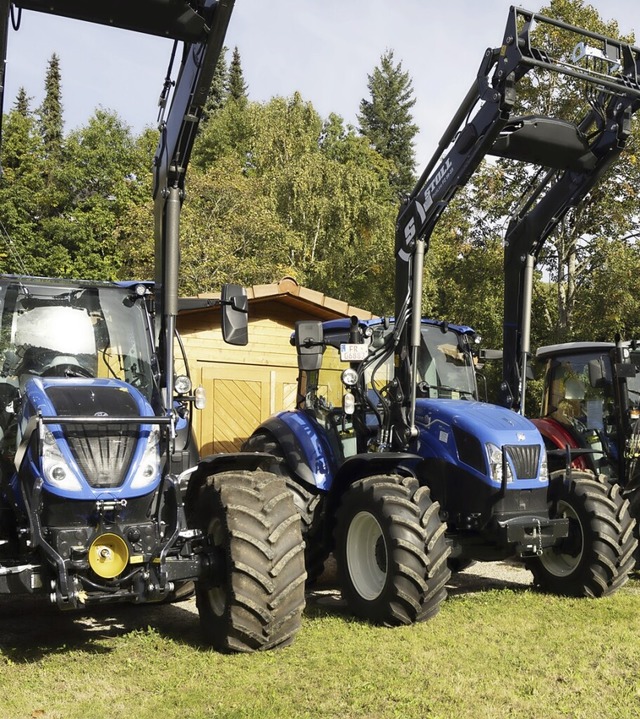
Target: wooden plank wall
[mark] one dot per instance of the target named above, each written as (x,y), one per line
(244,385)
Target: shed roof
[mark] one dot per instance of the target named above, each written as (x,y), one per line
(288,292)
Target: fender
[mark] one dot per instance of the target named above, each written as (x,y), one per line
(556,435)
(368,465)
(305,446)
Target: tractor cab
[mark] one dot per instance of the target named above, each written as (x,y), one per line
(590,402)
(345,387)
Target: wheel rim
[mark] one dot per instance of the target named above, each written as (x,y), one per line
(563,563)
(367,557)
(216,595)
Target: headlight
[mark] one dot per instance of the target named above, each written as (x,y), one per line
(494,455)
(149,468)
(349,377)
(182,384)
(544,467)
(54,466)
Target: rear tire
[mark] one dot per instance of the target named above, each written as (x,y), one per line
(391,551)
(596,558)
(252,596)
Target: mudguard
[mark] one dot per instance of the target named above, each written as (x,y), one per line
(305,447)
(558,436)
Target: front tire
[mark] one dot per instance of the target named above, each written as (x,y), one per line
(310,506)
(596,558)
(252,594)
(391,551)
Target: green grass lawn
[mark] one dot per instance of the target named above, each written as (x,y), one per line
(496,653)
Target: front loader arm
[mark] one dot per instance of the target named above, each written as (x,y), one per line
(200,25)
(491,129)
(603,132)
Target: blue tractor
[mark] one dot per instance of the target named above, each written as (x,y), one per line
(102,497)
(394,464)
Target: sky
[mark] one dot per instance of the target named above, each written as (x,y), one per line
(324,49)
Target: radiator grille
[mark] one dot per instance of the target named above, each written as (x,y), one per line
(525,459)
(104,453)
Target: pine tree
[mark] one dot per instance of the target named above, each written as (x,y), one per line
(218,92)
(50,112)
(22,103)
(386,119)
(237,86)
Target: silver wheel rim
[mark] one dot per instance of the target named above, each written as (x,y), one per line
(367,556)
(558,563)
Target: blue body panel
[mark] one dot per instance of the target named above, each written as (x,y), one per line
(436,420)
(37,402)
(313,449)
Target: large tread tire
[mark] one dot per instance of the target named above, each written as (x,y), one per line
(596,558)
(391,551)
(256,597)
(634,510)
(308,503)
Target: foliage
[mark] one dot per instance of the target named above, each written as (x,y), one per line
(386,120)
(62,216)
(317,191)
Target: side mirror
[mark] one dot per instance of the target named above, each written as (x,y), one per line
(310,345)
(234,315)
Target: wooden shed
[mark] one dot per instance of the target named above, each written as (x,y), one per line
(245,385)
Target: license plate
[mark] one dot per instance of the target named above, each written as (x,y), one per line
(353,352)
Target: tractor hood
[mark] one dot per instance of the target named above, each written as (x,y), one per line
(490,423)
(476,435)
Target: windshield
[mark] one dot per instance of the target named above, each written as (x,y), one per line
(88,331)
(445,367)
(579,390)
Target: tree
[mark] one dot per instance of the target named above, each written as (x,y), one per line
(276,190)
(386,120)
(237,88)
(22,103)
(21,185)
(219,87)
(51,111)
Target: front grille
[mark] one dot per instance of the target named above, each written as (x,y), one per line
(103,453)
(525,459)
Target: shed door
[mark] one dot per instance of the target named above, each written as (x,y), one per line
(235,407)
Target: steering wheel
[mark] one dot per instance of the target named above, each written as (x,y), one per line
(67,369)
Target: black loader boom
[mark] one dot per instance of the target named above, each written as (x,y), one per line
(485,125)
(201,26)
